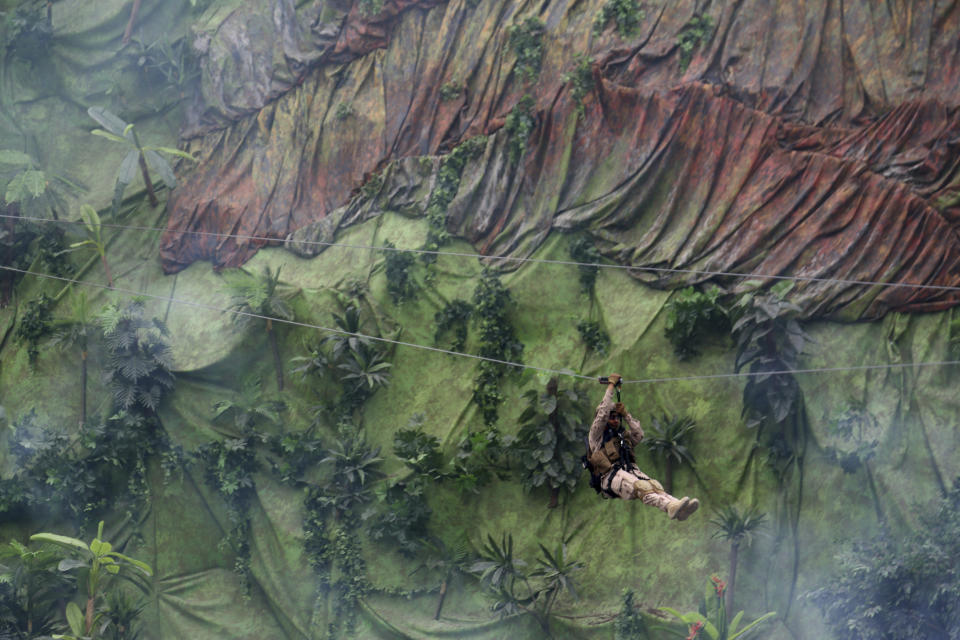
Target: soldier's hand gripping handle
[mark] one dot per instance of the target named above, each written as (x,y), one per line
(613,378)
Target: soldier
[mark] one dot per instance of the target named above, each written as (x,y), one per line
(612,463)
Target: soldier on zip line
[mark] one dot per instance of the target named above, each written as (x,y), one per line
(610,459)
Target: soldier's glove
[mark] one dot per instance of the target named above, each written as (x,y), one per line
(614,378)
(619,408)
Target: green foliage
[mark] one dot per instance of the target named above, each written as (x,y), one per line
(29,30)
(138,358)
(166,63)
(497,341)
(35,323)
(30,587)
(445,190)
(350,585)
(691,314)
(582,250)
(518,126)
(593,335)
(555,570)
(857,429)
(369,8)
(95,564)
(250,409)
(344,109)
(667,438)
(712,617)
(697,31)
(400,284)
(629,624)
(228,468)
(526,42)
(353,468)
(260,298)
(481,456)
(580,80)
(770,339)
(625,14)
(91,224)
(419,451)
(450,91)
(899,586)
(138,156)
(550,441)
(52,251)
(453,317)
(401,515)
(294,454)
(372,185)
(737,526)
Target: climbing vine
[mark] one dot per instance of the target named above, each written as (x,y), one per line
(691,315)
(35,324)
(518,127)
(498,341)
(582,250)
(594,337)
(625,14)
(526,42)
(697,31)
(400,284)
(454,317)
(580,80)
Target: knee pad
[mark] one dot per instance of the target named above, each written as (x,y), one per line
(645,486)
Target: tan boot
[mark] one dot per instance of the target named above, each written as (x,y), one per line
(687,509)
(675,508)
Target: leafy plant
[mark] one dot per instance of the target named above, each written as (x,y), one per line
(30,586)
(526,41)
(481,455)
(145,157)
(260,298)
(668,437)
(697,31)
(96,563)
(497,567)
(453,317)
(556,571)
(580,79)
(91,224)
(401,515)
(582,250)
(497,341)
(138,357)
(518,127)
(295,454)
(550,439)
(27,181)
(899,586)
(712,617)
(738,527)
(419,451)
(75,332)
(167,63)
(450,91)
(857,438)
(35,323)
(449,560)
(445,190)
(52,251)
(354,465)
(625,14)
(690,315)
(29,29)
(343,111)
(629,624)
(770,339)
(400,284)
(249,408)
(370,7)
(228,467)
(593,335)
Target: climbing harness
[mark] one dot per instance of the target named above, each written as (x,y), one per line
(613,454)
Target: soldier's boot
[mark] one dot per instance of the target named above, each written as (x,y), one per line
(682,509)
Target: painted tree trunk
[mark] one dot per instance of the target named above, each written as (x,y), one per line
(443,596)
(83,387)
(106,267)
(731,586)
(129,30)
(668,476)
(275,349)
(147,181)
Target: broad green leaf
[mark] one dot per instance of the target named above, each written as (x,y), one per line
(69,564)
(75,618)
(172,151)
(113,569)
(765,616)
(16,158)
(143,566)
(91,219)
(162,167)
(63,541)
(108,135)
(128,168)
(96,546)
(25,185)
(735,623)
(108,120)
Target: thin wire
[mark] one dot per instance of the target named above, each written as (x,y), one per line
(564,372)
(307,325)
(902,285)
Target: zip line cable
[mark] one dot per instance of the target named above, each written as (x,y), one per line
(903,285)
(564,372)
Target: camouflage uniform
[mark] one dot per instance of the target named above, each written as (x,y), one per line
(628,482)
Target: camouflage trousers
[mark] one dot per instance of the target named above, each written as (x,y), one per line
(634,484)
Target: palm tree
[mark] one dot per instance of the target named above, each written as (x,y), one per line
(75,331)
(449,560)
(738,528)
(556,569)
(668,437)
(258,298)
